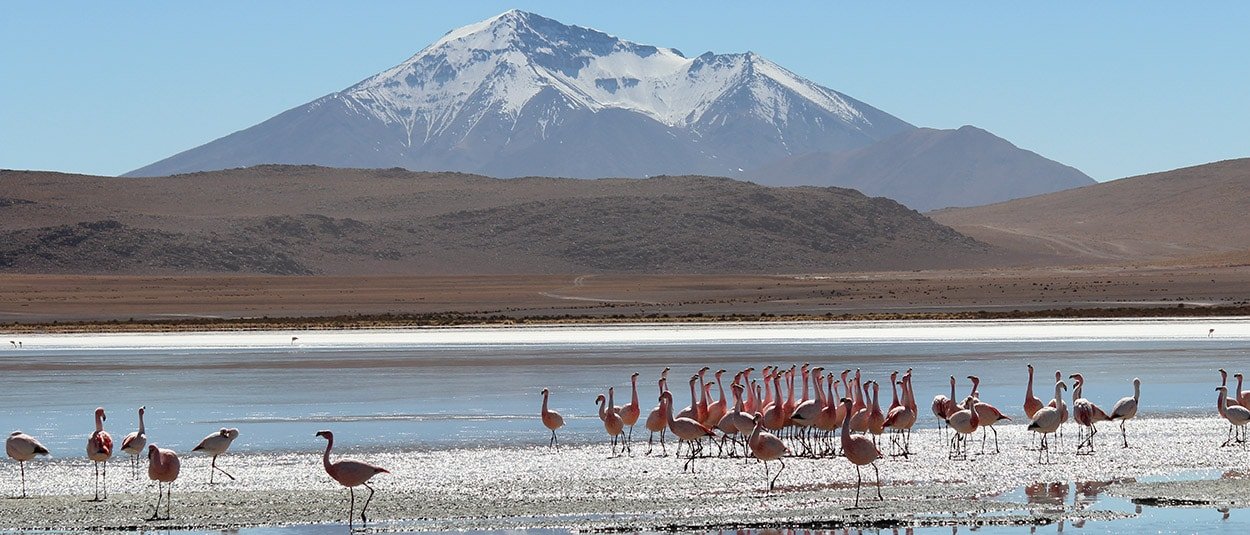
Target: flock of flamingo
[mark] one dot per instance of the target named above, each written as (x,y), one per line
(164,465)
(762,422)
(769,422)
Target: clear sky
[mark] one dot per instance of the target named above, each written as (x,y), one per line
(1114,88)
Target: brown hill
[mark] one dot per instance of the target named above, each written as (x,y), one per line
(306,219)
(1195,212)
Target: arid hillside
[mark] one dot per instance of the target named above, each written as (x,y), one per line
(1194,213)
(314,220)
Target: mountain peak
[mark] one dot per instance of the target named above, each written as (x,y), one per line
(518,81)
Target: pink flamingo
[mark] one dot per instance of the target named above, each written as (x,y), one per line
(767,447)
(631,411)
(1059,404)
(551,419)
(774,413)
(733,422)
(134,444)
(1243,396)
(692,411)
(901,419)
(987,414)
(21,448)
(163,467)
(656,422)
(1236,415)
(1085,413)
(717,409)
(860,451)
(351,474)
(944,406)
(99,450)
(808,413)
(1047,420)
(1031,403)
(1125,409)
(217,444)
(687,430)
(612,422)
(1224,382)
(963,422)
(876,419)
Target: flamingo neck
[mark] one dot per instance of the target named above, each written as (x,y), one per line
(99,423)
(893,394)
(1220,402)
(1239,381)
(545,403)
(634,386)
(846,427)
(806,378)
(1137,391)
(1028,390)
(603,412)
(952,388)
(720,386)
(325,457)
(141,429)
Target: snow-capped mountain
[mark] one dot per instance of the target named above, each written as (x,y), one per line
(520,94)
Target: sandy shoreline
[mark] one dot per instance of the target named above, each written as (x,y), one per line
(580,487)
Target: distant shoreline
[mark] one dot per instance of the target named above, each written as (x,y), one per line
(453,319)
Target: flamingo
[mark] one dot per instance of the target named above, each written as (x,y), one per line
(687,429)
(1031,403)
(21,448)
(767,447)
(631,411)
(99,450)
(987,414)
(1047,420)
(902,418)
(808,413)
(656,423)
(860,451)
(1243,396)
(551,419)
(876,419)
(1059,404)
(351,474)
(774,413)
(734,421)
(1125,409)
(963,422)
(716,410)
(1236,415)
(1085,413)
(944,406)
(612,422)
(133,444)
(163,467)
(1232,400)
(217,444)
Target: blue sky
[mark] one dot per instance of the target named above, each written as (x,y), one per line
(1113,88)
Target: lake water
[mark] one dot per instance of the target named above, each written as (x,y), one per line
(480,386)
(449,388)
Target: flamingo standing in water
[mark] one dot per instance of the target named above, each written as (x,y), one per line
(944,406)
(551,419)
(1232,400)
(963,422)
(631,411)
(686,429)
(99,450)
(1047,421)
(902,418)
(1086,414)
(656,422)
(612,422)
(1031,403)
(987,415)
(163,467)
(351,474)
(217,444)
(1236,415)
(734,421)
(1125,409)
(767,447)
(860,451)
(134,444)
(21,448)
(1060,405)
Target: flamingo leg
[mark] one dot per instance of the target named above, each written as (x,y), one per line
(156,511)
(1124,432)
(23,465)
(215,467)
(351,508)
(366,507)
(878,471)
(97,482)
(774,482)
(169,497)
(859,480)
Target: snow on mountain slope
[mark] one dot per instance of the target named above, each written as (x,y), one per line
(487,95)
